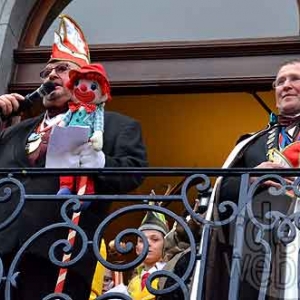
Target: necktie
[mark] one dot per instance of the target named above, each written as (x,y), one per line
(144,279)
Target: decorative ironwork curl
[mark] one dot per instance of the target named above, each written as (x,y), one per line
(179,282)
(128,246)
(163,273)
(204,187)
(286,230)
(56,296)
(267,264)
(296,187)
(72,204)
(6,197)
(124,248)
(275,191)
(113,296)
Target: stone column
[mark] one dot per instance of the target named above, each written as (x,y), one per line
(13,16)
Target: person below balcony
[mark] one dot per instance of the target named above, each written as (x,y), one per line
(154,227)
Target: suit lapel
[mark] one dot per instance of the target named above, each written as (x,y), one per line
(26,128)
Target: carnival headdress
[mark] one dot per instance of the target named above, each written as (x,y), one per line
(155,221)
(69,43)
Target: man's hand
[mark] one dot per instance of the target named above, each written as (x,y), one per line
(271,165)
(10,103)
(89,157)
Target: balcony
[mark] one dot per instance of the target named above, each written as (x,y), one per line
(215,263)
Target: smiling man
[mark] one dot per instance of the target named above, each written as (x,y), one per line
(275,147)
(287,89)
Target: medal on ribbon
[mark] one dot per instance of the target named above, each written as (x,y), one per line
(33,142)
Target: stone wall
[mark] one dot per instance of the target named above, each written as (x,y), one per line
(13,16)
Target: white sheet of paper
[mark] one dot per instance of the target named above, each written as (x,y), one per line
(62,142)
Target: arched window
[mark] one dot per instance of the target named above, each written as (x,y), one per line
(140,21)
(172,45)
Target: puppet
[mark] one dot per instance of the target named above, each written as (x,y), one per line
(90,90)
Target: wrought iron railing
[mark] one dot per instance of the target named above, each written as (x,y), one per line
(192,284)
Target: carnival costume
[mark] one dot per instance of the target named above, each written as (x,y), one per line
(24,145)
(277,143)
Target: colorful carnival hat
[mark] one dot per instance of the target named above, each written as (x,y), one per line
(155,221)
(69,43)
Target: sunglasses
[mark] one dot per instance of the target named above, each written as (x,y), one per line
(59,69)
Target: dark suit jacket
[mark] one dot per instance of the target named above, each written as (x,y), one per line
(123,147)
(253,254)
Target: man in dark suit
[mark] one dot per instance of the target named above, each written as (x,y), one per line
(24,145)
(275,147)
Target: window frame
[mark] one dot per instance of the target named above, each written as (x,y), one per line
(241,57)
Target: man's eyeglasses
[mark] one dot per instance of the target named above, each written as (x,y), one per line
(59,69)
(279,82)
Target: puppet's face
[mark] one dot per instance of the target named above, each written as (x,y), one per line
(88,91)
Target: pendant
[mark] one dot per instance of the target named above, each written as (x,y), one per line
(33,142)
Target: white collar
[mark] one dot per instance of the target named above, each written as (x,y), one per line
(47,121)
(158,266)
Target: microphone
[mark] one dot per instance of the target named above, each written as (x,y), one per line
(44,90)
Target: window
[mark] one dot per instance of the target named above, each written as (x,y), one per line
(169,46)
(131,21)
